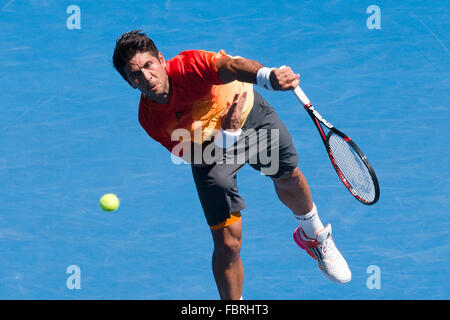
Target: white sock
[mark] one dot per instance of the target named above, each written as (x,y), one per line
(241,298)
(310,222)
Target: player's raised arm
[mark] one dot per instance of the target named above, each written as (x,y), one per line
(245,70)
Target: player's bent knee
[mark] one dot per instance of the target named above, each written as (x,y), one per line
(227,241)
(289,177)
(229,250)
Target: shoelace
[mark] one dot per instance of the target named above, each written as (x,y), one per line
(327,245)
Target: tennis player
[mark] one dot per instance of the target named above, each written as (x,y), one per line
(212,92)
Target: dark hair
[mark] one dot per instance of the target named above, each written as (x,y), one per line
(128,45)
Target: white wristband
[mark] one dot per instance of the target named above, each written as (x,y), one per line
(225,138)
(263,78)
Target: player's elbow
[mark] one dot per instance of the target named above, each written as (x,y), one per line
(226,68)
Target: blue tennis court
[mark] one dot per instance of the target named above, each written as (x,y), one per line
(69,133)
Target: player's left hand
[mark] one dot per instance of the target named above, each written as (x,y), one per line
(231,116)
(284,79)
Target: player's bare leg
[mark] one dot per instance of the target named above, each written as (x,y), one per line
(293,191)
(226,261)
(311,235)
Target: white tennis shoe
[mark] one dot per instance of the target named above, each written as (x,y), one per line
(323,249)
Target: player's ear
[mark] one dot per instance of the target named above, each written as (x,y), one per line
(161,59)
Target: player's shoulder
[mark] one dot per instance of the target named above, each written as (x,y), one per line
(195,55)
(195,52)
(190,62)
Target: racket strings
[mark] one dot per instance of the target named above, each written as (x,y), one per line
(352,167)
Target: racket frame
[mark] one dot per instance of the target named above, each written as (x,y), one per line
(319,121)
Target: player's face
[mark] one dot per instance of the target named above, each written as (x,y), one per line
(148,74)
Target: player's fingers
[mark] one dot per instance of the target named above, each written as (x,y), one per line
(295,83)
(227,108)
(292,77)
(230,104)
(225,119)
(290,83)
(285,71)
(284,76)
(236,98)
(237,108)
(289,74)
(242,100)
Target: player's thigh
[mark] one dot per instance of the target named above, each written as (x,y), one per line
(218,192)
(276,154)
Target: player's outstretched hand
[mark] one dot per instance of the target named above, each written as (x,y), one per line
(231,116)
(284,79)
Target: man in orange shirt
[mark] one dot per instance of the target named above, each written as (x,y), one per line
(203,100)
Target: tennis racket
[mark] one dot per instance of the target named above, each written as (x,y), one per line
(350,163)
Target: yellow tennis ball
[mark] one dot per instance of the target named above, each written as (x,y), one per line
(109,202)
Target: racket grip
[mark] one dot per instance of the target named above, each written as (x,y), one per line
(301,96)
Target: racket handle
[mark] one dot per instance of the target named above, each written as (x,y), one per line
(301,96)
